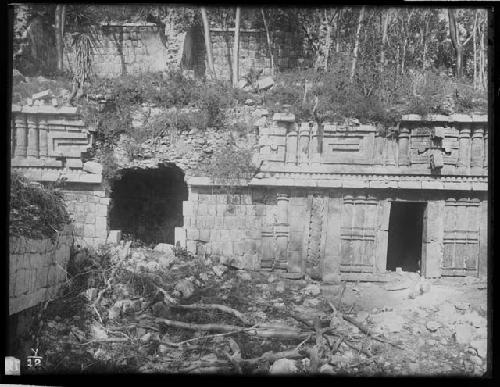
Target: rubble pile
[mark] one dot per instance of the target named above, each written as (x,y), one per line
(162,310)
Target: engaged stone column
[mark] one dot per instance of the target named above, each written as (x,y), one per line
(21,136)
(303,143)
(281,229)
(477,148)
(314,155)
(282,203)
(33,139)
(291,147)
(464,145)
(403,146)
(42,128)
(485,163)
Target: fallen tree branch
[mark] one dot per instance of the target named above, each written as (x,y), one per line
(221,308)
(282,332)
(107,340)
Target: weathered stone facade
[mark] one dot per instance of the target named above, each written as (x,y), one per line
(130,48)
(47,143)
(289,51)
(37,268)
(321,202)
(140,48)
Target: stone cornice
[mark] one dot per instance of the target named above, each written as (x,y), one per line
(374,181)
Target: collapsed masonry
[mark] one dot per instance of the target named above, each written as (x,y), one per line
(344,202)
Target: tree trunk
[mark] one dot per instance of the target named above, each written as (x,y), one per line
(269,43)
(455,39)
(208,42)
(356,43)
(424,43)
(59,28)
(328,43)
(474,32)
(483,58)
(385,25)
(236,47)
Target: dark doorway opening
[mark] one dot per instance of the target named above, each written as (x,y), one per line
(405,236)
(147,203)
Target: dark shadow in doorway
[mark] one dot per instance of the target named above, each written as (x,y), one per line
(405,236)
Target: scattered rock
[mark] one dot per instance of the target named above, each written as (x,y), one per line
(249,102)
(280,287)
(165,248)
(433,326)
(17,77)
(98,332)
(463,306)
(476,320)
(463,334)
(283,366)
(265,83)
(152,266)
(244,275)
(326,369)
(166,261)
(114,312)
(114,237)
(388,322)
(93,167)
(362,316)
(481,347)
(312,290)
(219,270)
(145,338)
(185,287)
(242,83)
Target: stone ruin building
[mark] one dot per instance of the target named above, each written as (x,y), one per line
(345,202)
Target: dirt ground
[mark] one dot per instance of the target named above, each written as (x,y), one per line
(139,310)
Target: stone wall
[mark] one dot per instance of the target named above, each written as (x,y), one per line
(130,48)
(225,224)
(37,269)
(288,50)
(89,212)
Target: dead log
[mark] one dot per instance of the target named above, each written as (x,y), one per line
(221,308)
(282,332)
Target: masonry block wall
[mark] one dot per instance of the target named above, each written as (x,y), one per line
(130,48)
(37,269)
(288,50)
(89,212)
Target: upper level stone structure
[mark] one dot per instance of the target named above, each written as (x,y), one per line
(433,152)
(47,143)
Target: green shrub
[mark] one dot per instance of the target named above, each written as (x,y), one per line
(36,211)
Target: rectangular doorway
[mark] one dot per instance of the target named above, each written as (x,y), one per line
(404,248)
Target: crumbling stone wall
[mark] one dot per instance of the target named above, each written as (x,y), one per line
(37,269)
(130,48)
